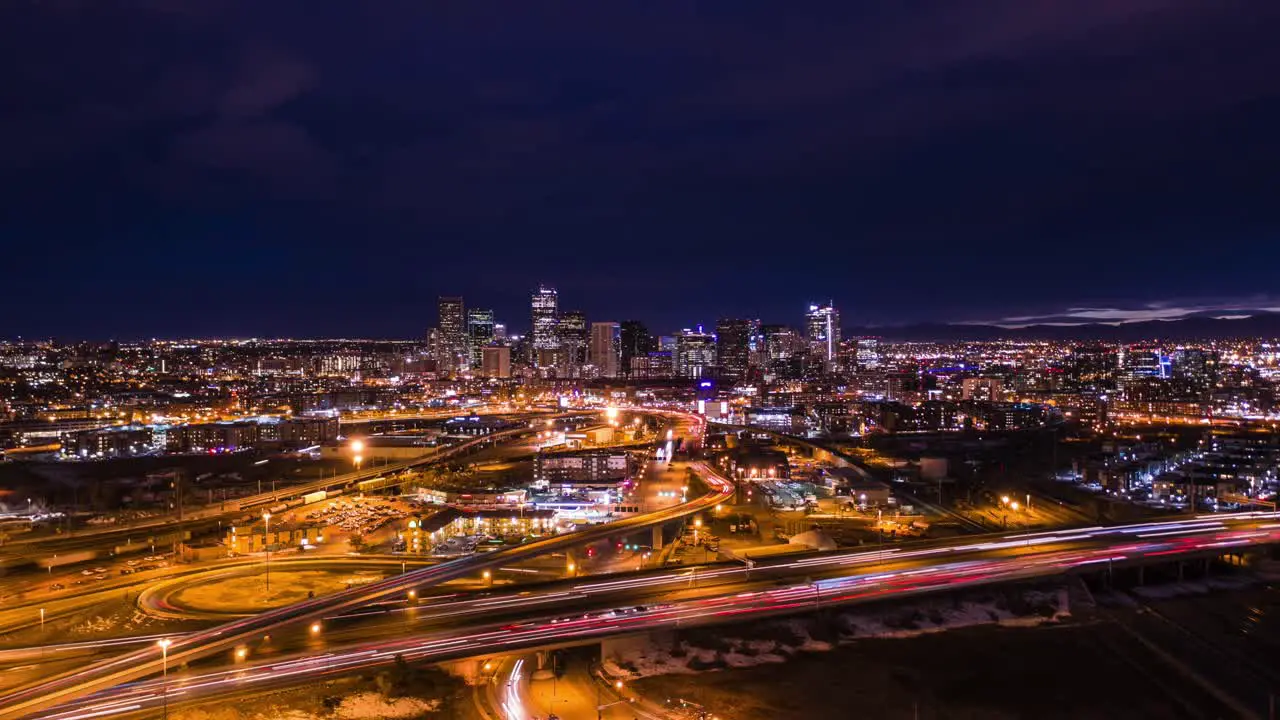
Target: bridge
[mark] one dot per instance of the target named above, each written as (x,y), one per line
(140,664)
(591,610)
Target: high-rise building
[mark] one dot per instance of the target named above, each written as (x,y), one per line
(868,353)
(652,365)
(452,339)
(733,347)
(606,348)
(823,325)
(1195,366)
(695,353)
(1092,368)
(571,334)
(780,343)
(636,343)
(496,362)
(480,334)
(499,331)
(546,304)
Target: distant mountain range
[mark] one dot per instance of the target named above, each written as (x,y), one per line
(1261,325)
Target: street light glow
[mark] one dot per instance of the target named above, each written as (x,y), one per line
(357,446)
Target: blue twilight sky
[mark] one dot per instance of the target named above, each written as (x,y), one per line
(291,167)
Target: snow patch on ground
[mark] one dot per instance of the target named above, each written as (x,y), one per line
(780,640)
(372,706)
(360,706)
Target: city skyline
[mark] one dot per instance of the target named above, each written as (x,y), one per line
(611,360)
(1038,160)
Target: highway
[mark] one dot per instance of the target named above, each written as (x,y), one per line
(512,693)
(485,626)
(142,663)
(235,508)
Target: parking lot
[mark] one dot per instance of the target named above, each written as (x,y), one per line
(356,516)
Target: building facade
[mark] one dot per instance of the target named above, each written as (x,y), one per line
(451,350)
(733,347)
(695,353)
(822,323)
(545,305)
(606,348)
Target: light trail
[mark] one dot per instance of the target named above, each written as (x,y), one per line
(485,640)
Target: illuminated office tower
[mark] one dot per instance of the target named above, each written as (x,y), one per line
(451,350)
(733,347)
(823,325)
(480,334)
(868,353)
(695,353)
(571,338)
(545,306)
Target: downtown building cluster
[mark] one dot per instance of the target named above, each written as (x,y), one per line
(562,344)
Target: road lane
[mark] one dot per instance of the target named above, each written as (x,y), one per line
(143,663)
(1011,558)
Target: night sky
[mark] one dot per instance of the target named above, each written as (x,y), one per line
(176,168)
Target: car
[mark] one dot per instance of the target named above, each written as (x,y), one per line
(57,586)
(86,572)
(99,570)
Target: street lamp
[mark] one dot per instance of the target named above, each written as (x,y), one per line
(315,628)
(600,706)
(266,531)
(164,644)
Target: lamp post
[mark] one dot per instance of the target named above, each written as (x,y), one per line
(600,705)
(164,659)
(266,532)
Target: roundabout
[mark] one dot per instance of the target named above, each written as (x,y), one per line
(241,590)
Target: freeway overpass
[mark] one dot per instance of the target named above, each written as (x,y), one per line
(201,644)
(583,612)
(231,509)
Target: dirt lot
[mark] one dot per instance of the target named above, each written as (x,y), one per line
(1064,671)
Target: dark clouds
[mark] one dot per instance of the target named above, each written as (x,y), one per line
(328,168)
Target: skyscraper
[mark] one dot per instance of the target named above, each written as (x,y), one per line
(823,325)
(636,343)
(606,347)
(733,347)
(496,362)
(780,343)
(868,353)
(451,353)
(571,337)
(695,353)
(545,303)
(480,334)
